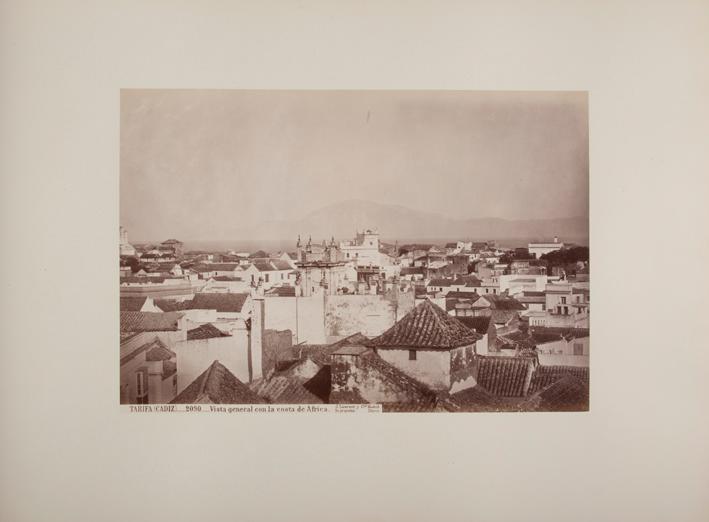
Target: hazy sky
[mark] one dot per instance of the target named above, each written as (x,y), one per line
(192,160)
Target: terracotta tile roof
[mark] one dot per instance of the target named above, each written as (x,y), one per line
(149,321)
(281,291)
(568,393)
(532,293)
(215,267)
(171,305)
(440,282)
(217,385)
(132,304)
(545,376)
(479,324)
(321,353)
(221,302)
(158,352)
(305,382)
(412,270)
(227,278)
(140,349)
(144,279)
(281,264)
(470,296)
(426,326)
(473,399)
(503,376)
(205,331)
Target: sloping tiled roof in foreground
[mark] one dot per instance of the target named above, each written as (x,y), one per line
(217,385)
(569,393)
(149,321)
(426,326)
(503,376)
(547,375)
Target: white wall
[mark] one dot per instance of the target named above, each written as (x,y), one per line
(431,367)
(195,356)
(304,316)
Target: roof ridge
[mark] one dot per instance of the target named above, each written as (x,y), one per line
(207,375)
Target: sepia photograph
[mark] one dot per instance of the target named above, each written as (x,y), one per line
(354,261)
(422,251)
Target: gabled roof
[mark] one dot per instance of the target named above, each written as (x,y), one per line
(426,326)
(156,351)
(159,352)
(217,385)
(132,304)
(205,331)
(221,302)
(149,321)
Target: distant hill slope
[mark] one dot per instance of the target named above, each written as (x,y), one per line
(394,221)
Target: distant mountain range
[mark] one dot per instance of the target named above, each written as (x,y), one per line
(342,219)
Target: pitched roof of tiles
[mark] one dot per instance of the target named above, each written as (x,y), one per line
(132,304)
(426,326)
(149,321)
(568,393)
(217,385)
(503,376)
(205,331)
(221,302)
(159,352)
(545,376)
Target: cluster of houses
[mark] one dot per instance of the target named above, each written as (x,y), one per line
(465,327)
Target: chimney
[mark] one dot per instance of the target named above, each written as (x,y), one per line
(556,239)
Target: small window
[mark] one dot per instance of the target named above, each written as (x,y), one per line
(412,355)
(267,277)
(563,300)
